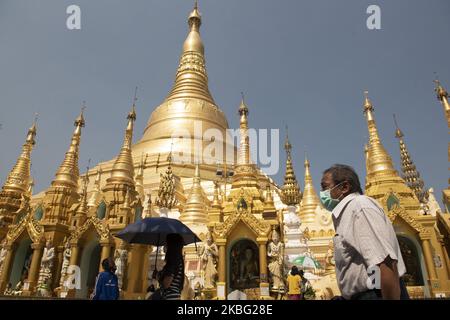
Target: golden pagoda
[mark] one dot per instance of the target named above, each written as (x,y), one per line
(222,196)
(420,242)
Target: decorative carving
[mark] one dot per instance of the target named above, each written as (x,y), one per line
(34,229)
(260,227)
(100,227)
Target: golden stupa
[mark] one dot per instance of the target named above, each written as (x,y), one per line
(177,169)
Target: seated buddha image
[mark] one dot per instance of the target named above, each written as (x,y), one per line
(245,268)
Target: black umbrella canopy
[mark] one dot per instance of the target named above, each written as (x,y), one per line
(154,231)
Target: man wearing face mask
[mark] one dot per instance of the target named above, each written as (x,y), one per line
(368,261)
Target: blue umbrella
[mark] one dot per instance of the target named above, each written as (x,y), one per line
(154,231)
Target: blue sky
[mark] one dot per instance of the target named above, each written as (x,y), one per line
(304,64)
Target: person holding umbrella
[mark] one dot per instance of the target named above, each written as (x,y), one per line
(172,275)
(163,231)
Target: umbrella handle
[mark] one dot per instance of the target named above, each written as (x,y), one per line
(157,250)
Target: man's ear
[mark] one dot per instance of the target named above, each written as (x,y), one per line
(346,187)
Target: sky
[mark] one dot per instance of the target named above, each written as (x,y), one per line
(304,64)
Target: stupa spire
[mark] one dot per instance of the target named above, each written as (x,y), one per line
(379,163)
(291,194)
(123,168)
(442,96)
(68,172)
(244,145)
(195,209)
(18,179)
(191,80)
(310,200)
(409,170)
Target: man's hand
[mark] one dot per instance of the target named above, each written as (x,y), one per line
(390,283)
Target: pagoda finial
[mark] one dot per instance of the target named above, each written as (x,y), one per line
(379,163)
(244,144)
(18,179)
(310,200)
(291,194)
(409,171)
(123,168)
(398,132)
(68,172)
(195,208)
(442,96)
(191,79)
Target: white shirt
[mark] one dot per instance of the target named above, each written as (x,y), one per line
(364,237)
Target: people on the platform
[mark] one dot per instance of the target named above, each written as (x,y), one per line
(172,275)
(275,252)
(305,285)
(66,262)
(46,270)
(209,256)
(120,259)
(107,284)
(364,229)
(293,280)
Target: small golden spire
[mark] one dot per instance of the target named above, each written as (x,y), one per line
(442,96)
(310,200)
(191,80)
(18,180)
(269,205)
(166,192)
(244,145)
(123,168)
(148,208)
(379,162)
(398,132)
(290,191)
(409,171)
(195,208)
(68,172)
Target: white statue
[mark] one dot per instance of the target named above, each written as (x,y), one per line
(18,289)
(8,291)
(66,262)
(432,203)
(120,259)
(46,269)
(275,252)
(208,258)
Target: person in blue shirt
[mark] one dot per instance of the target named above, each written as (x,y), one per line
(107,284)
